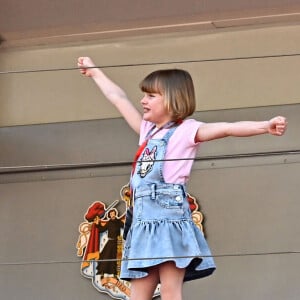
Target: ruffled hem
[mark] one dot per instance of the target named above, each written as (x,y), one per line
(150,243)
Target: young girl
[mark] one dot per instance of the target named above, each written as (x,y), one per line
(170,247)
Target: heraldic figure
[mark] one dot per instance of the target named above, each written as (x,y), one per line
(100,244)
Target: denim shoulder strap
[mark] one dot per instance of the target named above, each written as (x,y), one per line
(169,133)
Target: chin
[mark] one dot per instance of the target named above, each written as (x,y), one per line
(147,118)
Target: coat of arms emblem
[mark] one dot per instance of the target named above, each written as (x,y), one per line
(100,244)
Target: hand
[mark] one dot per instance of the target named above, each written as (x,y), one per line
(277,125)
(86,66)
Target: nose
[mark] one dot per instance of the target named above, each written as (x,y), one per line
(144,100)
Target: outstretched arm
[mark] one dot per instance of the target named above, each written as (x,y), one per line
(112,92)
(211,131)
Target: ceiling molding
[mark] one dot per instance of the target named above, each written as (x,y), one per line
(20,26)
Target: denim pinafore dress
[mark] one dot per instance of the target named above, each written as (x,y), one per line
(162,228)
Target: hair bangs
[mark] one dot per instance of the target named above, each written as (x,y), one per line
(151,84)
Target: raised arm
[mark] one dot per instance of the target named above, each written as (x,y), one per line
(211,131)
(112,92)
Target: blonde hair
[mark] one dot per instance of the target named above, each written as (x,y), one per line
(177,88)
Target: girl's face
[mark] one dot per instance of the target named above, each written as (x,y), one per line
(155,110)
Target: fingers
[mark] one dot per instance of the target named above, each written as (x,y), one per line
(80,60)
(85,64)
(280,129)
(279,125)
(80,64)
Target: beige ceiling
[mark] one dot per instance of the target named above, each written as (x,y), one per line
(46,22)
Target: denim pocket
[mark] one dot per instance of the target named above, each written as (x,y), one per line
(170,201)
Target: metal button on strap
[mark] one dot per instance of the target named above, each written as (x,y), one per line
(178,198)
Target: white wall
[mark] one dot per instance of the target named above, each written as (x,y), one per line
(61,96)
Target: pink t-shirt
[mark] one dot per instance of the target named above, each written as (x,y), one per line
(181,145)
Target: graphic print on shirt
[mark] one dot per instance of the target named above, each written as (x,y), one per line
(147,161)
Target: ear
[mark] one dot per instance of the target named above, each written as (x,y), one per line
(153,150)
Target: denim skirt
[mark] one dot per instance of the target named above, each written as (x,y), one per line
(163,230)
